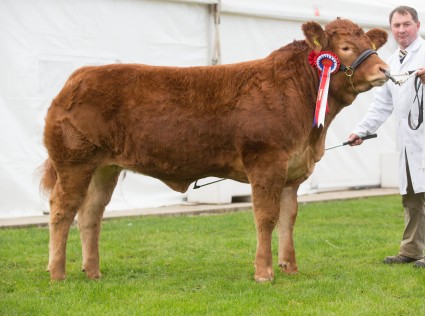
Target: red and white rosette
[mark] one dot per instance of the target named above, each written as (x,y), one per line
(327,63)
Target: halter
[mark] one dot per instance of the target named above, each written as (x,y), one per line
(349,71)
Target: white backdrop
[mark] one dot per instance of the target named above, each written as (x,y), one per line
(43,41)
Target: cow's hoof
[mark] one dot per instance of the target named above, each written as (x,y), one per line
(266,276)
(58,276)
(288,268)
(264,280)
(91,270)
(93,275)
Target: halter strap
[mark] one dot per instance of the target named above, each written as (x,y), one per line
(349,71)
(358,61)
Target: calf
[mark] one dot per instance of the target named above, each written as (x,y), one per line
(251,122)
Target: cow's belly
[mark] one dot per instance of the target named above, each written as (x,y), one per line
(178,166)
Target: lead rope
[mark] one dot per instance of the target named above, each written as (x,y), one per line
(412,125)
(418,85)
(407,75)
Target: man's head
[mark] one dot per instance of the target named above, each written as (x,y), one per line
(405,25)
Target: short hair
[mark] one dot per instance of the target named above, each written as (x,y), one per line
(403,9)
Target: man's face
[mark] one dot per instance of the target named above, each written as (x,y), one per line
(404,29)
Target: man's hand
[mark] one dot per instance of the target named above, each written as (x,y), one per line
(355,139)
(421,74)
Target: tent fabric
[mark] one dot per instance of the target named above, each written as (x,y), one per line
(44,41)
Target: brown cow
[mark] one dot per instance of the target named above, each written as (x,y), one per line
(250,122)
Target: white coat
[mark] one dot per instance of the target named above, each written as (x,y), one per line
(399,99)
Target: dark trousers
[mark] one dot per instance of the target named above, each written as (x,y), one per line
(413,242)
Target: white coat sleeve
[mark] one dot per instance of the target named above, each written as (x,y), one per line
(380,109)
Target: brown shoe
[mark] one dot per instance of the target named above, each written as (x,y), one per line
(420,263)
(398,259)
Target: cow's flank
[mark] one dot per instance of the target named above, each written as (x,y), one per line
(251,122)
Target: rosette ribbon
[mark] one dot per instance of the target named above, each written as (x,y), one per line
(327,63)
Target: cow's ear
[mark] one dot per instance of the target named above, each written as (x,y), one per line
(315,36)
(378,37)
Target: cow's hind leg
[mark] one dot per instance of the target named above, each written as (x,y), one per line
(287,217)
(90,216)
(66,198)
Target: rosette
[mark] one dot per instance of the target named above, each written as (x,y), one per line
(327,63)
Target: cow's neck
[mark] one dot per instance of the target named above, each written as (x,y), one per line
(307,81)
(318,134)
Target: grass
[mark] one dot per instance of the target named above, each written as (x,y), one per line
(203,266)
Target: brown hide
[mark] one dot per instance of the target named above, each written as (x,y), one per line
(251,122)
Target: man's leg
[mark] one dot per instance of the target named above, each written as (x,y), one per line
(413,242)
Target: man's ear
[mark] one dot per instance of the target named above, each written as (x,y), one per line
(315,36)
(378,37)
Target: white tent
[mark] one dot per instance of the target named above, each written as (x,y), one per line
(43,41)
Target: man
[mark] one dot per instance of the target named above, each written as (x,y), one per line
(411,143)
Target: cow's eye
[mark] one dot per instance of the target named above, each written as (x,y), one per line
(346,48)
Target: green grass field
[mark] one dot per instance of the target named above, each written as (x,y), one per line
(203,265)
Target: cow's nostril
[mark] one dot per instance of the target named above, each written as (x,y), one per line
(387,74)
(385,71)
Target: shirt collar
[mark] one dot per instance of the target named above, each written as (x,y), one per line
(414,45)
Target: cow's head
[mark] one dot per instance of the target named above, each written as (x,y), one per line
(348,41)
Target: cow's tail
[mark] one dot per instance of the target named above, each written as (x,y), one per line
(48,177)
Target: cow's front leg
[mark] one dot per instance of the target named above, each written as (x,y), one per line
(267,171)
(266,213)
(287,217)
